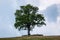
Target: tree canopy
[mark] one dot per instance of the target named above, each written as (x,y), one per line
(27,17)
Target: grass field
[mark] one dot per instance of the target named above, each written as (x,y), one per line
(33,38)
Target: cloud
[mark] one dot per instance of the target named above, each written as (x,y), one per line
(7,10)
(51,13)
(58,19)
(51,28)
(32,2)
(8,31)
(58,8)
(45,3)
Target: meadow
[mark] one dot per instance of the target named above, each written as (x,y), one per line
(33,38)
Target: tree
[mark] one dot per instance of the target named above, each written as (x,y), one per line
(27,17)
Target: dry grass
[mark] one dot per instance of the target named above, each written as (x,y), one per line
(33,38)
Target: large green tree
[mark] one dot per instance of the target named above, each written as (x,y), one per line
(27,17)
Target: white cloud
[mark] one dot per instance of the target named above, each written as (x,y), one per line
(58,19)
(51,28)
(7,9)
(45,3)
(33,2)
(14,31)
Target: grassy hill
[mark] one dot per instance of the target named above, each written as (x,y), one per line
(33,38)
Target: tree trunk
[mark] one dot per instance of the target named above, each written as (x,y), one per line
(28,30)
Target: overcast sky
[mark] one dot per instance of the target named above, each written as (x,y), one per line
(50,9)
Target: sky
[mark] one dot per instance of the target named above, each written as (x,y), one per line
(50,9)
